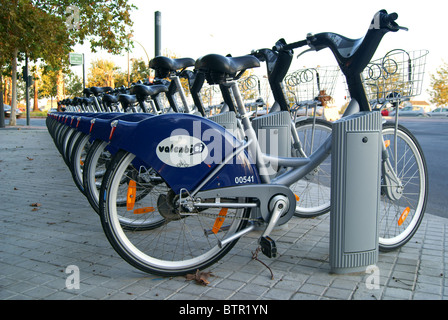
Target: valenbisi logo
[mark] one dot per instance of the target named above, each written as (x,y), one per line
(182,151)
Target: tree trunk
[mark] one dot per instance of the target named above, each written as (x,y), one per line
(36,88)
(6,90)
(2,110)
(12,119)
(59,87)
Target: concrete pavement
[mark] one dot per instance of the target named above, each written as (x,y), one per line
(50,235)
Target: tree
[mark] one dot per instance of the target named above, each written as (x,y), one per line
(140,70)
(103,23)
(30,32)
(43,29)
(73,84)
(102,73)
(48,87)
(439,86)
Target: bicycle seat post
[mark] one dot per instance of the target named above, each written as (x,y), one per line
(181,92)
(255,149)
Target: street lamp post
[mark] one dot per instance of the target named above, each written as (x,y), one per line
(147,56)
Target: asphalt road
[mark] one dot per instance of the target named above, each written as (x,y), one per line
(432,135)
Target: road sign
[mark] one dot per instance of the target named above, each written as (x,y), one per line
(76,59)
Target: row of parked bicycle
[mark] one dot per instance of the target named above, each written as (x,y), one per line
(175,188)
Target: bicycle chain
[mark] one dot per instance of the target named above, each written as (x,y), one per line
(212,215)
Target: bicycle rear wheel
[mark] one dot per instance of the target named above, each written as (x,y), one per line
(402,206)
(151,233)
(313,190)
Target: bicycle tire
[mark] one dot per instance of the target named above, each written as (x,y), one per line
(177,246)
(77,158)
(94,169)
(400,219)
(70,144)
(313,191)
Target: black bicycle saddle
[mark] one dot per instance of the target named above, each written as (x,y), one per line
(144,91)
(127,100)
(98,90)
(162,62)
(228,65)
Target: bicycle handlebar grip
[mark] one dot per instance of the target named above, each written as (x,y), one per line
(390,17)
(285,47)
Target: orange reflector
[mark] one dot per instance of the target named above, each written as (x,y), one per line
(403,216)
(132,192)
(297,197)
(144,210)
(220,220)
(387,143)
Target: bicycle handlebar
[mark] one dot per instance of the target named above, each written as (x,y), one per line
(356,53)
(352,55)
(286,47)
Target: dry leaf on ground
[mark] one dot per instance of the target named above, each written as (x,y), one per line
(200,277)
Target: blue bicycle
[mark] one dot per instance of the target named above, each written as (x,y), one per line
(204,188)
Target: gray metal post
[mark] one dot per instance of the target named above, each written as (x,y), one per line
(158,33)
(27,92)
(355,185)
(2,110)
(83,72)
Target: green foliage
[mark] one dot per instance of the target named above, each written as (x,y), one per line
(102,73)
(139,70)
(73,85)
(38,28)
(104,23)
(439,86)
(32,31)
(48,87)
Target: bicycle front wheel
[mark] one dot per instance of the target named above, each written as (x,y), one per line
(177,242)
(402,204)
(80,150)
(94,169)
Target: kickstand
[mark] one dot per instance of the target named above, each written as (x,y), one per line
(255,257)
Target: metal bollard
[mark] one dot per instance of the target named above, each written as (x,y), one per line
(355,195)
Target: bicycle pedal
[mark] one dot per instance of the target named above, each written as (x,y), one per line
(268,247)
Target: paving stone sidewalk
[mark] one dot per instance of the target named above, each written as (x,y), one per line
(47,230)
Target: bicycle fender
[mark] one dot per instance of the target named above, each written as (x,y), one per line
(101,128)
(185,149)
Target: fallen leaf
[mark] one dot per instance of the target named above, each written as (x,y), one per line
(200,277)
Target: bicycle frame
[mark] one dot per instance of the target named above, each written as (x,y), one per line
(202,175)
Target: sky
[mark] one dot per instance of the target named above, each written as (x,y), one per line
(197,27)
